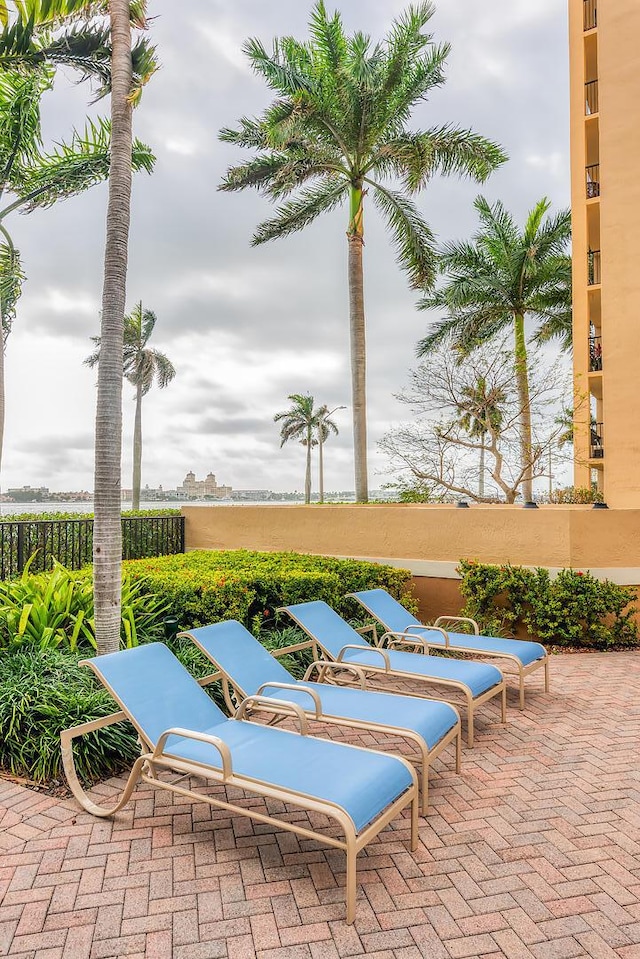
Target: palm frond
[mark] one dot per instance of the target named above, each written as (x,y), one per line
(11,280)
(412,237)
(296,214)
(74,167)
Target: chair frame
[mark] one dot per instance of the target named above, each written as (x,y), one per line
(512,660)
(394,639)
(155,760)
(325,669)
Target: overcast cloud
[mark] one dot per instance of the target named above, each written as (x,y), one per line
(245,327)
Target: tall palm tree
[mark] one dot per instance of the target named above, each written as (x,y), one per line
(326,426)
(142,366)
(336,131)
(300,422)
(32,178)
(497,280)
(481,411)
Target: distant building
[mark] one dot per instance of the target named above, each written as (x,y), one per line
(207,488)
(29,494)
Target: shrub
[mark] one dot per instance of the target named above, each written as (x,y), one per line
(55,609)
(572,609)
(576,494)
(44,692)
(204,586)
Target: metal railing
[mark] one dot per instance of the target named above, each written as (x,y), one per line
(591,98)
(590,14)
(593,180)
(595,354)
(596,444)
(70,541)
(594,268)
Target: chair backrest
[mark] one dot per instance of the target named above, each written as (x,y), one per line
(155,690)
(240,655)
(324,625)
(386,609)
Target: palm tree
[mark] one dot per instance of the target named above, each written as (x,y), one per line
(142,366)
(32,178)
(498,279)
(325,427)
(481,412)
(300,422)
(336,131)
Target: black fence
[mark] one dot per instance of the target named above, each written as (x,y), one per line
(594,271)
(591,98)
(590,14)
(595,354)
(593,180)
(70,541)
(596,445)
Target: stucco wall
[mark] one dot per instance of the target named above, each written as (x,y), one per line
(429,540)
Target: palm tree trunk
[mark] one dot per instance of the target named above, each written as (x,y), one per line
(320,466)
(522,385)
(481,477)
(355,237)
(107,537)
(137,450)
(307,475)
(3,347)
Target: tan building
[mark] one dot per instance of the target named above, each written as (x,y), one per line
(202,489)
(605,152)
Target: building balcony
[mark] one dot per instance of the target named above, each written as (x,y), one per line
(595,354)
(593,180)
(596,444)
(594,270)
(591,98)
(590,14)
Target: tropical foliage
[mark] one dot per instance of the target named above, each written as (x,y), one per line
(201,587)
(142,366)
(338,130)
(571,609)
(494,282)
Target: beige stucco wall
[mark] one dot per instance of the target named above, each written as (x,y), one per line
(429,540)
(609,223)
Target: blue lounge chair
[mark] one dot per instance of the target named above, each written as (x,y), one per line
(250,670)
(184,732)
(525,656)
(478,682)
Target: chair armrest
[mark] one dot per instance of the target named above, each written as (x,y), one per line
(370,628)
(459,619)
(412,640)
(365,649)
(298,688)
(274,706)
(219,744)
(324,666)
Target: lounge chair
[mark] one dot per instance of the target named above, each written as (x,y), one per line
(183,731)
(339,642)
(250,670)
(525,656)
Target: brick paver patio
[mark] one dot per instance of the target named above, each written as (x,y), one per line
(532,853)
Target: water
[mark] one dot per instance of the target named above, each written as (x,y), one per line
(11,509)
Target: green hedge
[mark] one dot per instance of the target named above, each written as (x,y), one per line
(204,586)
(571,609)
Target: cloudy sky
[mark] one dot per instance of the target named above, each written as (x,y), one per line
(245,327)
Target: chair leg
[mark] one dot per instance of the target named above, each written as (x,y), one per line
(546,675)
(425,787)
(351,879)
(470,724)
(414,822)
(521,688)
(504,702)
(459,750)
